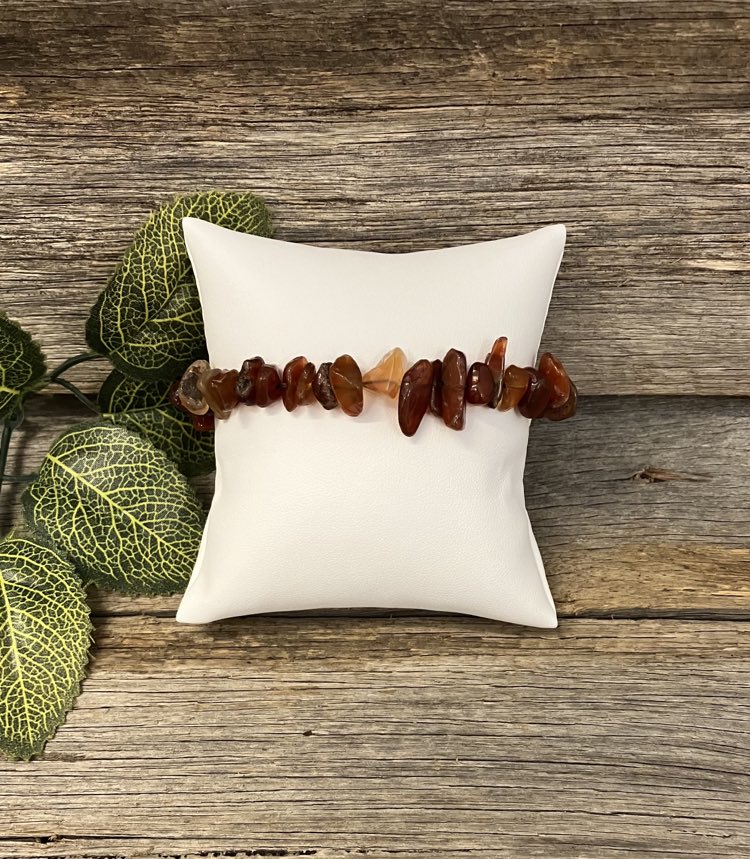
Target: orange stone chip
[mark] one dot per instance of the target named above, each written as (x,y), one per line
(495,360)
(414,396)
(385,377)
(454,389)
(346,381)
(557,376)
(515,382)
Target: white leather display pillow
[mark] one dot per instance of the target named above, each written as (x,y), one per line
(317,509)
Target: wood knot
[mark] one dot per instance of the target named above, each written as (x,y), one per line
(652,474)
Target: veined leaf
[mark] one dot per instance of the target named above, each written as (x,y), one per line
(119,508)
(21,365)
(45,633)
(144,407)
(148,318)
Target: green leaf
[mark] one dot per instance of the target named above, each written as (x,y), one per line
(21,365)
(119,508)
(148,319)
(45,633)
(144,407)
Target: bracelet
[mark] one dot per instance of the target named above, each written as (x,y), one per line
(442,387)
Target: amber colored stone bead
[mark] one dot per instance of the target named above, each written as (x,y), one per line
(495,360)
(305,394)
(247,378)
(219,389)
(291,376)
(534,402)
(454,389)
(204,423)
(567,409)
(268,386)
(385,377)
(436,394)
(480,384)
(322,387)
(190,394)
(414,396)
(558,378)
(346,381)
(515,382)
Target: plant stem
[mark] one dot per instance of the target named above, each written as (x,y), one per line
(8,427)
(78,394)
(20,478)
(71,362)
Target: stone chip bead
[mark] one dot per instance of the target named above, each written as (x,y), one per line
(414,396)
(204,423)
(480,384)
(173,398)
(304,393)
(495,360)
(515,382)
(436,394)
(268,386)
(566,410)
(322,387)
(219,387)
(535,399)
(558,378)
(346,381)
(247,379)
(189,393)
(454,375)
(291,376)
(385,377)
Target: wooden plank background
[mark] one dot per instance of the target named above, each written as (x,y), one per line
(404,125)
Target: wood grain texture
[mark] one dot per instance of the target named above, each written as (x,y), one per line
(390,736)
(639,504)
(400,126)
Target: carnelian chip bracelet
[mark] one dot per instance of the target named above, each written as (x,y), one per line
(442,387)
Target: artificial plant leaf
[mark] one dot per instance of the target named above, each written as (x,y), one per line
(144,407)
(118,507)
(21,365)
(45,633)
(148,318)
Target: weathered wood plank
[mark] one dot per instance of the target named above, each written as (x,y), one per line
(640,505)
(397,126)
(439,736)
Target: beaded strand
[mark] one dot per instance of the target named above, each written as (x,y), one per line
(442,387)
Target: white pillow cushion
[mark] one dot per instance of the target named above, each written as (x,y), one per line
(316,509)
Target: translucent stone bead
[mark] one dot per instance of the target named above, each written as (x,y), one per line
(515,382)
(567,409)
(454,389)
(480,384)
(305,393)
(268,386)
(322,387)
(495,360)
(346,381)
(534,401)
(414,396)
(292,374)
(220,391)
(247,378)
(173,398)
(189,393)
(204,423)
(436,394)
(385,377)
(557,376)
